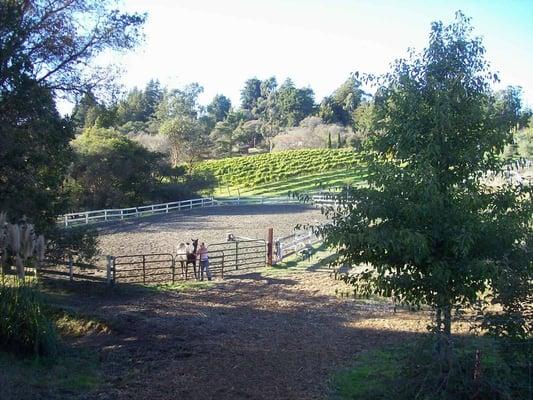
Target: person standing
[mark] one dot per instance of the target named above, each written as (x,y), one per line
(204,262)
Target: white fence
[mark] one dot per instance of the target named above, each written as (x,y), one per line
(87,217)
(291,244)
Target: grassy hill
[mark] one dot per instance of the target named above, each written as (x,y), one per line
(278,173)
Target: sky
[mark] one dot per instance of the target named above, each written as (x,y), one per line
(317,43)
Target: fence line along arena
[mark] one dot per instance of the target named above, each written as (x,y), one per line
(160,235)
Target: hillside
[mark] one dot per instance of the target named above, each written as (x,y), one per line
(281,172)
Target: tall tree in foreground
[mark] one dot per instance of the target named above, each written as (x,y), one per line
(429,227)
(45,50)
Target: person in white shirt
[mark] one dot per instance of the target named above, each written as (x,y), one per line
(204,262)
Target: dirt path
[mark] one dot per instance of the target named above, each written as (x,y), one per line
(248,337)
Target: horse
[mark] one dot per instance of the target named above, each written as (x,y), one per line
(181,257)
(191,257)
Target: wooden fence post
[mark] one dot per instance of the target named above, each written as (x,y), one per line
(70,265)
(236,255)
(66,221)
(269,246)
(144,269)
(173,270)
(109,264)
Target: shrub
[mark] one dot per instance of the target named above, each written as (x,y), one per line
(80,241)
(24,327)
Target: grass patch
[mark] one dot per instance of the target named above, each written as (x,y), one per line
(409,371)
(294,263)
(68,375)
(182,286)
(75,325)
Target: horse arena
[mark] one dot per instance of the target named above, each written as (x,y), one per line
(161,233)
(256,334)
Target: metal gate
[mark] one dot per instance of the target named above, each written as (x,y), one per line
(241,253)
(160,268)
(144,268)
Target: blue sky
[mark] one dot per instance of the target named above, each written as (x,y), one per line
(317,43)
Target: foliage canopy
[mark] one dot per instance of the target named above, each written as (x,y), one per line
(428,225)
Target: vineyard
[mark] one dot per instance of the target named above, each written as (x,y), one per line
(262,173)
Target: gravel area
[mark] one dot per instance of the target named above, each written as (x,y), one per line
(161,233)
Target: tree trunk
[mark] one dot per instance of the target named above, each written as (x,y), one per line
(443,321)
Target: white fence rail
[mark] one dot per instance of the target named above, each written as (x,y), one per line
(115,214)
(87,217)
(288,245)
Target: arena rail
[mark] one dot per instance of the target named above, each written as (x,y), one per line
(114,214)
(86,217)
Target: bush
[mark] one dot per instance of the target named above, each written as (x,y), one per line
(24,327)
(80,241)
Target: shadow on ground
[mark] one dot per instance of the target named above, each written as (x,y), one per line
(249,337)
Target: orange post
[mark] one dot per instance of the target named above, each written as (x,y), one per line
(270,243)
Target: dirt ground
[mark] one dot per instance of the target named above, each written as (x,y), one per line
(252,336)
(258,334)
(161,233)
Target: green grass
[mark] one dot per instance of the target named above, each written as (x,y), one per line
(25,327)
(65,372)
(410,371)
(295,264)
(182,286)
(72,373)
(371,375)
(72,324)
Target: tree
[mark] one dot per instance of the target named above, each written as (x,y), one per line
(250,94)
(187,138)
(52,42)
(45,47)
(339,107)
(34,154)
(219,108)
(111,170)
(294,104)
(428,225)
(83,112)
(223,136)
(139,106)
(364,122)
(180,103)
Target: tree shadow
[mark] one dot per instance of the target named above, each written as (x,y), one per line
(247,337)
